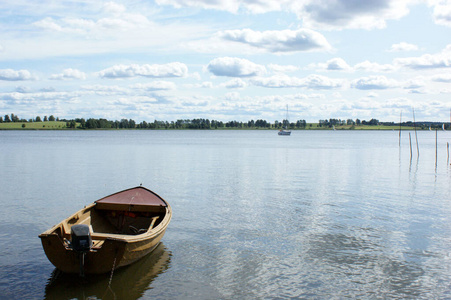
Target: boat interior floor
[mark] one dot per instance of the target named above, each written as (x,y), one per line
(108,222)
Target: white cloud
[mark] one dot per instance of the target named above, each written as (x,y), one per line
(23,89)
(235,67)
(236,83)
(415,83)
(203,85)
(334,64)
(175,69)
(374,83)
(310,82)
(233,6)
(416,91)
(374,67)
(323,14)
(442,12)
(105,90)
(114,8)
(233,96)
(48,24)
(206,85)
(372,95)
(69,74)
(26,98)
(194,103)
(403,47)
(322,82)
(279,41)
(273,106)
(135,101)
(338,64)
(67,28)
(427,61)
(282,69)
(115,20)
(48,89)
(442,78)
(13,75)
(341,14)
(155,86)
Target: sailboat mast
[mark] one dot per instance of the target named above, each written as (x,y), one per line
(286,119)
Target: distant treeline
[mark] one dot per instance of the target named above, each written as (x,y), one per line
(15,118)
(101,123)
(180,124)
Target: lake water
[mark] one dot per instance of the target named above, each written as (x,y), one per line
(319,214)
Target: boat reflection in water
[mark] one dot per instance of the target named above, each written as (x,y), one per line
(127,283)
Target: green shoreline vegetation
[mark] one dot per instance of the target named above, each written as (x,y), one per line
(12,122)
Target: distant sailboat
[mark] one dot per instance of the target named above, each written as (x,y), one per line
(285,131)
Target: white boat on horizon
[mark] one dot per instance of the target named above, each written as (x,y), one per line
(285,130)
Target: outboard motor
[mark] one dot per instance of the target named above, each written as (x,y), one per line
(81,243)
(81,238)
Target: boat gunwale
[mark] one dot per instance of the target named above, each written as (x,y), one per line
(129,238)
(113,236)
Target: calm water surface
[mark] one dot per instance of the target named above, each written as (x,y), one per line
(326,215)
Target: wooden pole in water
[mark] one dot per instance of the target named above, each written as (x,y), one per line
(447,149)
(400,117)
(410,143)
(415,127)
(435,148)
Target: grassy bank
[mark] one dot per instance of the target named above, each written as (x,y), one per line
(34,125)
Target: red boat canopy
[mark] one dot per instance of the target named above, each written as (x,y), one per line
(134,199)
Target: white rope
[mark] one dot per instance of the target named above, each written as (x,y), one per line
(109,283)
(112,271)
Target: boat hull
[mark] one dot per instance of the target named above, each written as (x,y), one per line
(95,262)
(284,132)
(113,253)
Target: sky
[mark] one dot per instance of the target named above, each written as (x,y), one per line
(226,59)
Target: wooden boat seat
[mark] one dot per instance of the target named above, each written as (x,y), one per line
(97,244)
(66,228)
(104,236)
(154,219)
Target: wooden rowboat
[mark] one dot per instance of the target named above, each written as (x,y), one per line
(110,233)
